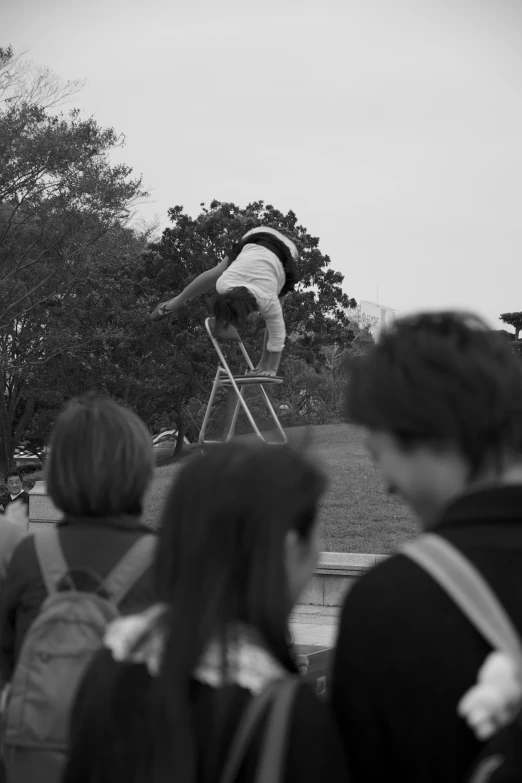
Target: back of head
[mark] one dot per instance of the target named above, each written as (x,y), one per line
(223,530)
(101,459)
(233,307)
(442,379)
(221,562)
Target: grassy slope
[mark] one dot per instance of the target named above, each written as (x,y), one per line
(357,515)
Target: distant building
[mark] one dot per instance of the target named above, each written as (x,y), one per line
(373,315)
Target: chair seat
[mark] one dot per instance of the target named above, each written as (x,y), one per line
(248,380)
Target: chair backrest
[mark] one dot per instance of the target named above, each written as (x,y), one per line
(229,334)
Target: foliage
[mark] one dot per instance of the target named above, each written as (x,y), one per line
(77,283)
(315,314)
(514,320)
(59,196)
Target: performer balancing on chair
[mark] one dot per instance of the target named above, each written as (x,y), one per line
(255,276)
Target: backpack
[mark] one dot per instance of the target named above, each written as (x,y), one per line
(277,698)
(500,760)
(57,649)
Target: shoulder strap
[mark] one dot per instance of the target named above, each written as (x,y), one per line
(281,694)
(467,587)
(271,763)
(50,558)
(130,568)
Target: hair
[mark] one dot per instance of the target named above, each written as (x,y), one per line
(101,459)
(13,473)
(233,307)
(221,561)
(442,379)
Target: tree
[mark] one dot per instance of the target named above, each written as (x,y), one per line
(59,196)
(164,371)
(22,82)
(514,320)
(315,315)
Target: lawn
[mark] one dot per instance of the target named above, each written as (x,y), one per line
(357,515)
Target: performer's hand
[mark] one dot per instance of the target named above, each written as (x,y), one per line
(164,309)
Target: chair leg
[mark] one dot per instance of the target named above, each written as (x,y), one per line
(210,403)
(232,428)
(224,370)
(274,415)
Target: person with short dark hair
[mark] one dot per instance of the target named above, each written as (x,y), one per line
(165,700)
(440,400)
(15,490)
(100,465)
(256,275)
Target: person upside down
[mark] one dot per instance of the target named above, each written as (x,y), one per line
(255,276)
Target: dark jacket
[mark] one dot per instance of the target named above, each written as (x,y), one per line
(10,537)
(90,543)
(6,499)
(102,724)
(406,654)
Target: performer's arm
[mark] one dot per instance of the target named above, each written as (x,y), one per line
(275,334)
(202,283)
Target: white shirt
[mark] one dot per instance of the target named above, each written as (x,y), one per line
(262,273)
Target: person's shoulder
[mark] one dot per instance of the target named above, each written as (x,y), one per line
(270,305)
(393,580)
(23,564)
(26,548)
(10,534)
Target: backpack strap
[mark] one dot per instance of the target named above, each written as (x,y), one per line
(130,568)
(271,764)
(468,589)
(269,767)
(50,558)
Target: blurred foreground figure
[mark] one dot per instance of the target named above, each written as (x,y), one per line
(204,687)
(65,582)
(440,400)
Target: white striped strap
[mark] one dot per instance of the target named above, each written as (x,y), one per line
(130,568)
(50,558)
(468,589)
(117,584)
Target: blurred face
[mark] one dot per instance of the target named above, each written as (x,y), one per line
(428,479)
(301,559)
(14,485)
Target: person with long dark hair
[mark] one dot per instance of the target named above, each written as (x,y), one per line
(164,701)
(256,275)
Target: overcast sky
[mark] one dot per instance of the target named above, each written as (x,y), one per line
(392,129)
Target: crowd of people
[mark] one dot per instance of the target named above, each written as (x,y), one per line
(130,655)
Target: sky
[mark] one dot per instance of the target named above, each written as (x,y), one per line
(393,129)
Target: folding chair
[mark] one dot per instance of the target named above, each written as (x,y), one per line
(225,378)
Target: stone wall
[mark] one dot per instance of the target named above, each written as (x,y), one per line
(334,575)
